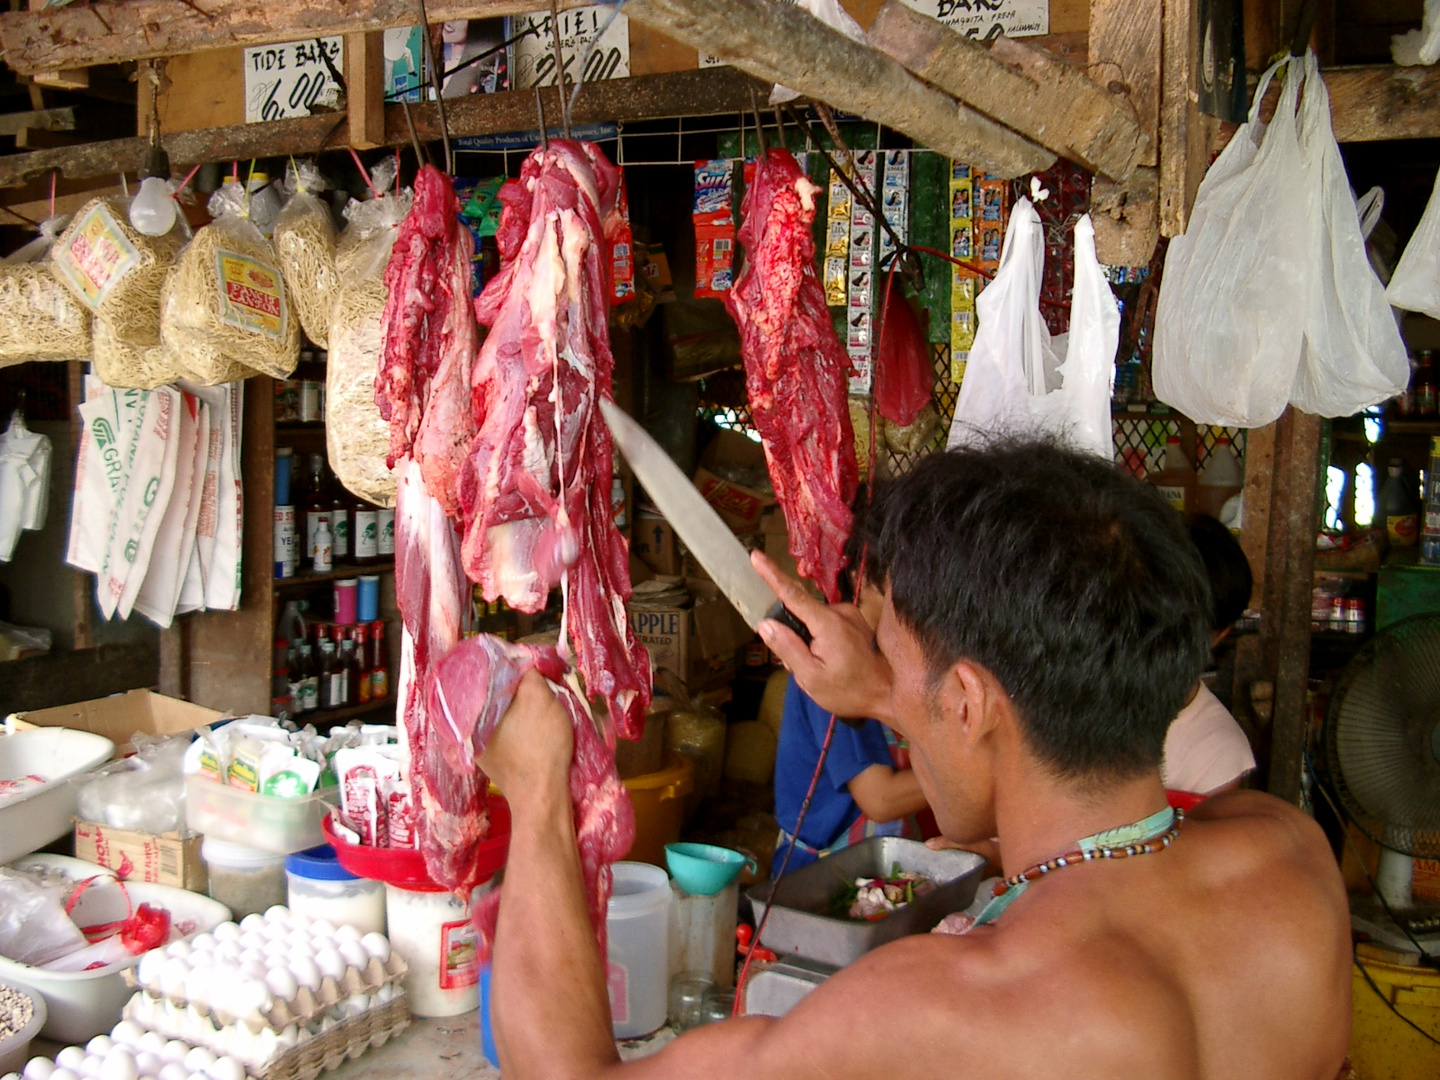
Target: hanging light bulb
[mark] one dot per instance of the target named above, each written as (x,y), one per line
(152,211)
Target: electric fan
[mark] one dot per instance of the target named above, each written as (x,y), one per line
(1382,752)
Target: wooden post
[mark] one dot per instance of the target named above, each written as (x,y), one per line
(365,89)
(1186,135)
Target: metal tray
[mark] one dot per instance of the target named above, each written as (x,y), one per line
(797,927)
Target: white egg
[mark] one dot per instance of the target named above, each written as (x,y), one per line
(377,945)
(354,954)
(323,928)
(202,942)
(126,1032)
(152,1041)
(252,939)
(347,933)
(300,937)
(147,972)
(178,948)
(385,993)
(226,1068)
(64,1074)
(227,932)
(39,1068)
(305,972)
(298,920)
(173,1070)
(228,953)
(100,1044)
(196,1076)
(277,913)
(121,1067)
(12,1076)
(172,977)
(174,1050)
(198,959)
(197,984)
(278,948)
(281,983)
(252,922)
(72,1057)
(149,1064)
(330,963)
(253,969)
(199,1059)
(91,1066)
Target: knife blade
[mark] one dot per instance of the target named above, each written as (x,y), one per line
(697,523)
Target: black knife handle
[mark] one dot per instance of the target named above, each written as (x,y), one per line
(783,615)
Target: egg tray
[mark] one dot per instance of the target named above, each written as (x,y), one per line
(347,1040)
(304,1006)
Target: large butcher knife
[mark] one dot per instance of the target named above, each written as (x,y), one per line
(705,534)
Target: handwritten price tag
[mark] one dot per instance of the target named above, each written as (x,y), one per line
(286,80)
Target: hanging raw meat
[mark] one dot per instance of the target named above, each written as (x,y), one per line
(796,372)
(468,692)
(423,384)
(903,375)
(535,488)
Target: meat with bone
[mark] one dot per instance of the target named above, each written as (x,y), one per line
(796,372)
(535,487)
(467,693)
(423,384)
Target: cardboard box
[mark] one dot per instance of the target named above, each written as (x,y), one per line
(169,859)
(654,542)
(121,716)
(741,507)
(698,644)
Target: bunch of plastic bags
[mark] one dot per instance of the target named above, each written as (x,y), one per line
(1019,379)
(24,482)
(1415,285)
(157,501)
(1269,298)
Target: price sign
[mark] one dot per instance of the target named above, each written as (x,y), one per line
(286,80)
(535,54)
(987,19)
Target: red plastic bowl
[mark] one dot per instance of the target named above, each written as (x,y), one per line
(406,867)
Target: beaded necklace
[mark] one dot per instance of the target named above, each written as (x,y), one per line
(1154,833)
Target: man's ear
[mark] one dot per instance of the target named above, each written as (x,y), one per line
(966,693)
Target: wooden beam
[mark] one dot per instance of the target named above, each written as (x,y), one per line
(783,43)
(1368,104)
(107,32)
(62,677)
(1025,88)
(365,89)
(37,120)
(683,93)
(71,79)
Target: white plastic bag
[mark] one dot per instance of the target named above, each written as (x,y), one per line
(24,482)
(1353,355)
(222,579)
(111,422)
(832,15)
(216,402)
(1415,285)
(160,589)
(1230,321)
(1419,46)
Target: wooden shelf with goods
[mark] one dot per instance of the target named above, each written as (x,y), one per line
(375,712)
(305,579)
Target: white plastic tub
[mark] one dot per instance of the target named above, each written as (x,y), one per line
(15,1050)
(83,1004)
(38,815)
(637,924)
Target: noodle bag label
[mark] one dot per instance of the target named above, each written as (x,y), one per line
(97,257)
(253,294)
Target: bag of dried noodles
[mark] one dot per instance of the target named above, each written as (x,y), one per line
(356,436)
(39,319)
(226,308)
(305,243)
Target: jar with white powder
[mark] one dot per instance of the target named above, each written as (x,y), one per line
(431,928)
(321,888)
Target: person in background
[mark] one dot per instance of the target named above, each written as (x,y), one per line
(1206,751)
(867,787)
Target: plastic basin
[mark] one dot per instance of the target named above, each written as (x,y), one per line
(280,826)
(35,817)
(15,1050)
(659,802)
(405,867)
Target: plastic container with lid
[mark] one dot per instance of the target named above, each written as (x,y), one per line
(268,822)
(637,969)
(432,930)
(244,879)
(323,889)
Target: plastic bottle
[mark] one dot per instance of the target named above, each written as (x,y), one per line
(316,506)
(324,546)
(1425,389)
(1430,536)
(309,679)
(385,545)
(362,665)
(1398,507)
(351,665)
(365,533)
(1176,478)
(340,507)
(332,676)
(1219,480)
(379,663)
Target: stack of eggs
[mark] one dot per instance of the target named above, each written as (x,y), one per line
(259,989)
(130,1053)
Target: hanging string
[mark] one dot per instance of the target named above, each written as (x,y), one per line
(365,175)
(52,193)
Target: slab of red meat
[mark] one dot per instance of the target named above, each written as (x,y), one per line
(796,373)
(535,489)
(422,387)
(431,592)
(903,375)
(467,693)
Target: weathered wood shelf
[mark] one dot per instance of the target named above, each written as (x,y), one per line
(300,582)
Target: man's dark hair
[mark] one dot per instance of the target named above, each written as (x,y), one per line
(1227,569)
(1074,585)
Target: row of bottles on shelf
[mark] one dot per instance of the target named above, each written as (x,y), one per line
(328,666)
(1208,490)
(300,399)
(1421,399)
(324,524)
(1412,514)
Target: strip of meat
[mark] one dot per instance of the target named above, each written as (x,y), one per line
(422,387)
(467,693)
(796,372)
(535,487)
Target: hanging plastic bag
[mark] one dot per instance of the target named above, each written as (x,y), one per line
(160,590)
(1353,355)
(1419,46)
(904,377)
(1415,285)
(39,318)
(34,928)
(1230,321)
(305,245)
(24,482)
(357,437)
(227,313)
(832,15)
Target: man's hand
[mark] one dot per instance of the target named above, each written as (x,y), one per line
(530,752)
(841,668)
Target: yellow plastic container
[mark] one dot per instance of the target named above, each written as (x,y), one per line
(659,801)
(1384,1047)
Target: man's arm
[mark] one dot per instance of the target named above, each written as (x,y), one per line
(884,793)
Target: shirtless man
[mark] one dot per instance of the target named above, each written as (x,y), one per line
(1043,621)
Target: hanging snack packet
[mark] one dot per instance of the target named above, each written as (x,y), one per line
(357,436)
(305,245)
(364,774)
(714,228)
(39,318)
(226,309)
